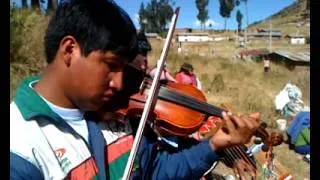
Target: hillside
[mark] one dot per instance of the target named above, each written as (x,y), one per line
(291,20)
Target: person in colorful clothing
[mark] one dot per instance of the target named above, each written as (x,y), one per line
(88,44)
(187,76)
(266,63)
(165,74)
(299,133)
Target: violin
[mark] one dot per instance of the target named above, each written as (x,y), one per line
(181,110)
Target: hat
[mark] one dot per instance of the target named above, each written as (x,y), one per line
(187,66)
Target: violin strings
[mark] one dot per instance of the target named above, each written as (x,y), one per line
(233,157)
(237,152)
(228,160)
(251,161)
(234,151)
(241,149)
(188,101)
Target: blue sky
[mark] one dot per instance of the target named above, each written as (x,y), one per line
(257,10)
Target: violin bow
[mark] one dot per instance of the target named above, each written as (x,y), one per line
(152,97)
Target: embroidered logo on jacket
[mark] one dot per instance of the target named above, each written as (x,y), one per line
(64,161)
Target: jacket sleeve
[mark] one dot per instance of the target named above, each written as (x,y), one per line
(179,78)
(189,163)
(169,77)
(21,169)
(306,135)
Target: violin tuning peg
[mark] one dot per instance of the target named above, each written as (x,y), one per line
(257,140)
(265,148)
(264,125)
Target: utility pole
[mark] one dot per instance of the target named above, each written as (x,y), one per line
(245,31)
(245,37)
(270,36)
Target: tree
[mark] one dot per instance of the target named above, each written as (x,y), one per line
(247,18)
(226,7)
(156,15)
(142,16)
(237,2)
(239,19)
(203,11)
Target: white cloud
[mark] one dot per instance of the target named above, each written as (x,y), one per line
(212,22)
(197,23)
(207,23)
(136,18)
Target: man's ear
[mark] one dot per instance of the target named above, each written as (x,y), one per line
(69,50)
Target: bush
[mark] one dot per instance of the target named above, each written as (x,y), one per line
(27,29)
(218,84)
(308,40)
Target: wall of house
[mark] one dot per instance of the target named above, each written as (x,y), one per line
(291,65)
(194,38)
(297,41)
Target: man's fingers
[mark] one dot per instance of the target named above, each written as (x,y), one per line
(230,125)
(255,116)
(252,120)
(238,122)
(251,123)
(256,119)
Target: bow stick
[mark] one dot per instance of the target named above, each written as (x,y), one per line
(152,97)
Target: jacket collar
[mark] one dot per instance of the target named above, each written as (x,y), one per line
(29,102)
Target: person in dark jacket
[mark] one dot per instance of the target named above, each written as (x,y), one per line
(144,47)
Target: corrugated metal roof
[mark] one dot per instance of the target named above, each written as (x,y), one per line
(295,56)
(193,34)
(265,34)
(268,30)
(295,36)
(254,52)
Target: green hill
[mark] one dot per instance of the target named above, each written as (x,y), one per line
(293,19)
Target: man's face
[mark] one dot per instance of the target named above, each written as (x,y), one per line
(95,79)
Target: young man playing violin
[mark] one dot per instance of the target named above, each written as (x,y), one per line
(88,44)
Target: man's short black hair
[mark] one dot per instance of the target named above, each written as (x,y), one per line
(143,44)
(97,25)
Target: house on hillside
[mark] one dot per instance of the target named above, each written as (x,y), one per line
(291,59)
(220,38)
(193,37)
(262,30)
(253,54)
(152,36)
(296,39)
(265,34)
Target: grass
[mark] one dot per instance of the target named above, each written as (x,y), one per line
(238,82)
(224,79)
